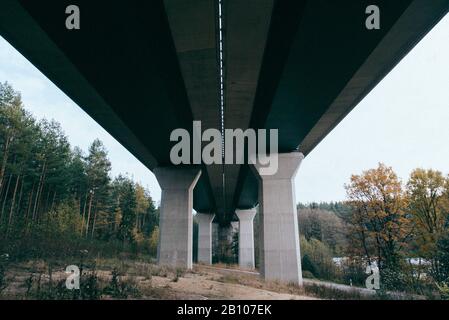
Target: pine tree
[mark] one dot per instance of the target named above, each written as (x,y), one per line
(98,167)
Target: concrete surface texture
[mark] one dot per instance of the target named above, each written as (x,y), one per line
(176,219)
(279,237)
(205,237)
(246,237)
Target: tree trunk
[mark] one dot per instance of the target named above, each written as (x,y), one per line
(47,200)
(84,214)
(5,197)
(143,222)
(39,203)
(4,161)
(53,201)
(30,201)
(11,210)
(95,219)
(19,203)
(39,190)
(88,214)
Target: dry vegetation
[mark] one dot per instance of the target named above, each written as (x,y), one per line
(118,279)
(129,279)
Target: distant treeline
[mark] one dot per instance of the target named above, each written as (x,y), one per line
(340,208)
(49,188)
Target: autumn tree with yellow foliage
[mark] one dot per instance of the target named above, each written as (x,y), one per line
(380,226)
(390,224)
(428,193)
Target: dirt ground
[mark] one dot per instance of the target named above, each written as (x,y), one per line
(211,283)
(153,282)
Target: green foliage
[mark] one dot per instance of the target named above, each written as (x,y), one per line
(444,291)
(442,258)
(323,225)
(55,200)
(179,272)
(119,288)
(317,259)
(352,272)
(307,274)
(153,241)
(63,221)
(340,209)
(308,265)
(128,205)
(3,264)
(89,288)
(226,246)
(326,292)
(235,246)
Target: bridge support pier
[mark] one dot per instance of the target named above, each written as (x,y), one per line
(176,217)
(246,237)
(279,238)
(205,237)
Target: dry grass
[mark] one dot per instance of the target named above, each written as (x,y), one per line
(156,282)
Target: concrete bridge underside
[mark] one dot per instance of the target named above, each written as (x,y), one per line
(144,68)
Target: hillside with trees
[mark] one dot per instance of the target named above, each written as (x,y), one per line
(55,199)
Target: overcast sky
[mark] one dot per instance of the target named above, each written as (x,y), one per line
(403,122)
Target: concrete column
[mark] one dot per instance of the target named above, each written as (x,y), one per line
(176,217)
(246,237)
(279,238)
(205,237)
